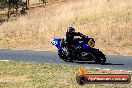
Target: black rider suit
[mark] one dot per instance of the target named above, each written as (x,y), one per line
(70,37)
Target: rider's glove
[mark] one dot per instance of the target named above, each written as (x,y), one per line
(85,36)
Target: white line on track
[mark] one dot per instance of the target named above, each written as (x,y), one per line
(106,69)
(4,60)
(97,68)
(130,71)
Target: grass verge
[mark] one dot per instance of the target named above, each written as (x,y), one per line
(43,75)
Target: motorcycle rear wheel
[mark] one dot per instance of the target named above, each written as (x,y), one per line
(100,58)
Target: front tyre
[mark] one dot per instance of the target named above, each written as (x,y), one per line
(63,55)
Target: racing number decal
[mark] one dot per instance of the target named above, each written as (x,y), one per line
(54,42)
(91,43)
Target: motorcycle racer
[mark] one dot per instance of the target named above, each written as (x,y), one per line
(68,42)
(70,35)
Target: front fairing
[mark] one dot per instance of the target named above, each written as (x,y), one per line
(56,42)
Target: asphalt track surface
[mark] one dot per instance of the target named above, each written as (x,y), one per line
(113,62)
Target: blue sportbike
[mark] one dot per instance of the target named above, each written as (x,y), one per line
(83,50)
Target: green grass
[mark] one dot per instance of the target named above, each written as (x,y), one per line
(43,75)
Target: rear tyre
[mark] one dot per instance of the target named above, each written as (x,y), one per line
(100,58)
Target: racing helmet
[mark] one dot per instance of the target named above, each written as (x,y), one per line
(70,29)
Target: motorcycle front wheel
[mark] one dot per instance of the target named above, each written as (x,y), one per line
(63,55)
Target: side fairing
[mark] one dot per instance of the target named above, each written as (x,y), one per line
(86,46)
